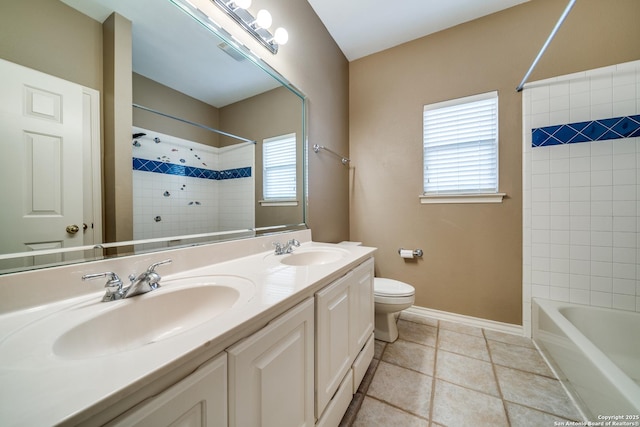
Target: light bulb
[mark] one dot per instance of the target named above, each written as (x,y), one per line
(263,19)
(281,36)
(242,4)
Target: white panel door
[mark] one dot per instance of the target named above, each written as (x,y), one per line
(41,160)
(271,373)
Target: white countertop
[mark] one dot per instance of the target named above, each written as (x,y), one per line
(40,387)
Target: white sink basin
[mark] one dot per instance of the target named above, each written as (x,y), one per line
(316,256)
(177,306)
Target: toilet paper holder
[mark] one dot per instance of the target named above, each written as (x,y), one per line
(416,252)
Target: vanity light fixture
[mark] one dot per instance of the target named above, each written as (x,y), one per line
(281,36)
(256,26)
(263,20)
(242,4)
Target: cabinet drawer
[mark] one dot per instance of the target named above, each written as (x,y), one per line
(338,405)
(362,363)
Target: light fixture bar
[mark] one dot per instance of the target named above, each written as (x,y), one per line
(245,20)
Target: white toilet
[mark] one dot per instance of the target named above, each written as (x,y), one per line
(390,297)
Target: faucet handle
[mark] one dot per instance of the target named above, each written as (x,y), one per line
(113,280)
(113,285)
(278,248)
(152,267)
(153,278)
(293,242)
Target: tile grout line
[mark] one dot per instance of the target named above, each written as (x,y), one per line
(495,376)
(554,376)
(399,408)
(366,394)
(494,365)
(432,398)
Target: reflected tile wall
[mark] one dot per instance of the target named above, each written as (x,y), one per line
(178,185)
(581,198)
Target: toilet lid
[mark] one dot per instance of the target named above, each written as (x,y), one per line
(391,288)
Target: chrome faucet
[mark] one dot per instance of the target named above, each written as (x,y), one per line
(140,284)
(145,282)
(286,248)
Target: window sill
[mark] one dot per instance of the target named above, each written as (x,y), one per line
(462,198)
(281,202)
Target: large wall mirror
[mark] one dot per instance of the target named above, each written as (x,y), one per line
(203,109)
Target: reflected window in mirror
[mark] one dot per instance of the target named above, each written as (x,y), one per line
(279,169)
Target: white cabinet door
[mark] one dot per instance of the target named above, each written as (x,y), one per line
(198,400)
(271,373)
(361,306)
(333,348)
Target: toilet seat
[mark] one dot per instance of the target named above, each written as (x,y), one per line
(391,288)
(378,299)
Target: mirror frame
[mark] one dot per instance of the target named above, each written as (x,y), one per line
(80,254)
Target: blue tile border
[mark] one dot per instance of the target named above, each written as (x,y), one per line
(154,166)
(595,130)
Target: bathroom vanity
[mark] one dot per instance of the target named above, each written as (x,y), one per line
(234,336)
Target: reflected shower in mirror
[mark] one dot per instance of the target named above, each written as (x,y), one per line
(185,68)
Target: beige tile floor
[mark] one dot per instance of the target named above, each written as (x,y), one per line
(447,374)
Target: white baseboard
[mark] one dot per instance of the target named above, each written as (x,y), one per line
(466,320)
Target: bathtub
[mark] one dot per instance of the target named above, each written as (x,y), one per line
(595,352)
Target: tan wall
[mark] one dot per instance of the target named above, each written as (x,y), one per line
(473,252)
(117,117)
(273,113)
(312,61)
(30,35)
(151,94)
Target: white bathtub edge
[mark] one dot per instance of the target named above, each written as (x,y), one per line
(618,380)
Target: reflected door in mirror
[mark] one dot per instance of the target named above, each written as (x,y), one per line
(41,128)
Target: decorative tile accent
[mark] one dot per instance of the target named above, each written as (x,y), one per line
(154,166)
(595,130)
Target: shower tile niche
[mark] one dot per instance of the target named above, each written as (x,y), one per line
(182,187)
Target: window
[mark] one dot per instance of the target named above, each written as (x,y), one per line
(279,168)
(461,149)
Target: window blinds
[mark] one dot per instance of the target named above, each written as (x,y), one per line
(279,167)
(461,145)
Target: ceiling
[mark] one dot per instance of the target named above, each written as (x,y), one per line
(363,27)
(188,60)
(184,59)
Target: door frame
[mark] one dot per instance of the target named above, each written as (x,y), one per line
(92,129)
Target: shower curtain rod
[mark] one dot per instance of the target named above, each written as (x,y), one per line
(230,135)
(546,44)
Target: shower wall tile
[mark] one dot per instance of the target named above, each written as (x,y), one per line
(581,154)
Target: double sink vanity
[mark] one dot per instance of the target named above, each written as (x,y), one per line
(234,335)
